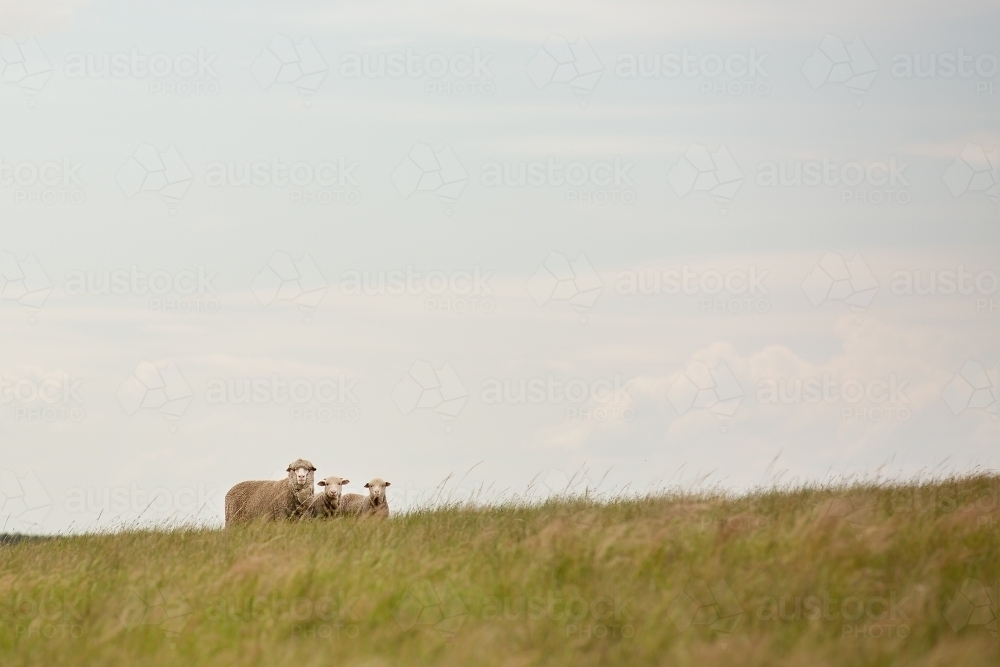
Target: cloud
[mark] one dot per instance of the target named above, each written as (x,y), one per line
(37,18)
(876,355)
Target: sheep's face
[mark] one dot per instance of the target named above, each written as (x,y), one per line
(300,473)
(376,489)
(332,487)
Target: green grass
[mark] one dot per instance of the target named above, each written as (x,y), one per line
(878,570)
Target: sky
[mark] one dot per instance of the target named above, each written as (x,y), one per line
(490,250)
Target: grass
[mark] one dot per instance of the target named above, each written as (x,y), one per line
(858,574)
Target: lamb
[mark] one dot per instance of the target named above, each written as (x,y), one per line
(273,500)
(376,503)
(326,503)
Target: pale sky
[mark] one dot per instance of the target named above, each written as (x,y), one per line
(750,242)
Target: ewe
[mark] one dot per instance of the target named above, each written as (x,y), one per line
(274,500)
(376,503)
(326,503)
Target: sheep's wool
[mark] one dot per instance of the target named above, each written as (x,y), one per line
(274,500)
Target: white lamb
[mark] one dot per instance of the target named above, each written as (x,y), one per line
(375,503)
(326,503)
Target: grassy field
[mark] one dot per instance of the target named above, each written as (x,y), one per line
(855,575)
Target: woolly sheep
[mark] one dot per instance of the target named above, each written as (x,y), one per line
(273,500)
(375,503)
(326,503)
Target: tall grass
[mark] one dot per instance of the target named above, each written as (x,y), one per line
(859,573)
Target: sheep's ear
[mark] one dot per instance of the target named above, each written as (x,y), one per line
(367,486)
(312,469)
(321,482)
(388,483)
(345,481)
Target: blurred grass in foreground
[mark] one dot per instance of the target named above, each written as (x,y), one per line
(860,574)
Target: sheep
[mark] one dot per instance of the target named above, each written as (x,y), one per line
(272,499)
(376,503)
(326,503)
